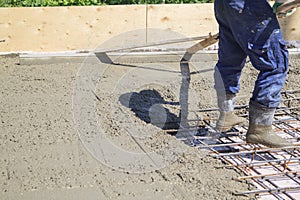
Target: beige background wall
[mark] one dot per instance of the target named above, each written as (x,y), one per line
(76,28)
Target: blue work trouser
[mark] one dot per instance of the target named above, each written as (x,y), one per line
(250,28)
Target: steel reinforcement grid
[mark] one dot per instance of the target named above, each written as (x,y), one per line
(274,171)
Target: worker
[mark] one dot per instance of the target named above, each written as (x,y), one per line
(250,28)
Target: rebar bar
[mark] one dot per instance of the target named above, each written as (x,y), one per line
(277,190)
(273,164)
(262,165)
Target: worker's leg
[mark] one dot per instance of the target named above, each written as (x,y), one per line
(231,56)
(270,57)
(227,71)
(262,41)
(255,28)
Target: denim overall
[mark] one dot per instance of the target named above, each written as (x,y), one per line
(250,28)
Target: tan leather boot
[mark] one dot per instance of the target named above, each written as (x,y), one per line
(227,120)
(260,127)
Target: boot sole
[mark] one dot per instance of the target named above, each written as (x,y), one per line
(249,141)
(227,128)
(276,146)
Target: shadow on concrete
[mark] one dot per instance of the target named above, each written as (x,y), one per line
(148,106)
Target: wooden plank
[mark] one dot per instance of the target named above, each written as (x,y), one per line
(50,29)
(186,19)
(291,26)
(66,28)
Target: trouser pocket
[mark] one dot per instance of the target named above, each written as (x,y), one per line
(271,55)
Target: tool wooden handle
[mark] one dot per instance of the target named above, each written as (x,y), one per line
(288,6)
(204,43)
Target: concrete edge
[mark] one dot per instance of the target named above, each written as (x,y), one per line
(113,57)
(141,56)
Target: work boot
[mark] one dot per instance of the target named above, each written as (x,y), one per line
(260,127)
(227,118)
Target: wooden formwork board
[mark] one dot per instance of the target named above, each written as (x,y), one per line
(50,29)
(291,26)
(65,28)
(190,19)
